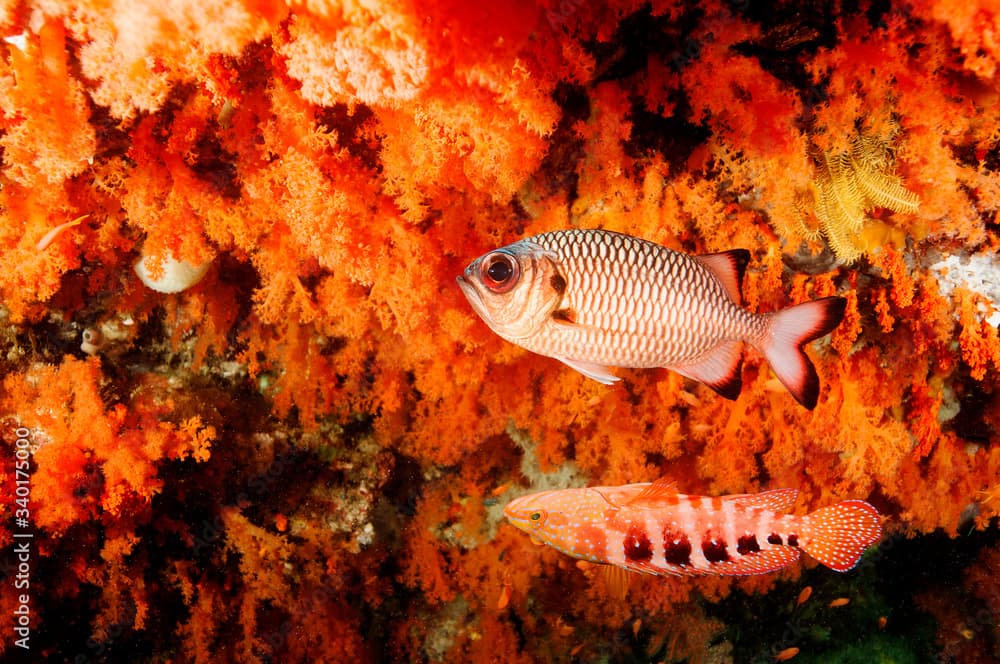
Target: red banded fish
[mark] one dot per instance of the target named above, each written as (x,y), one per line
(651,528)
(595,299)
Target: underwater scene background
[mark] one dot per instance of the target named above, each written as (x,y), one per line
(287,437)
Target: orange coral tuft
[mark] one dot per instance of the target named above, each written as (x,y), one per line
(306,455)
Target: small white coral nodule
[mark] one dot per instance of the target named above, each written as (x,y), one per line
(175,277)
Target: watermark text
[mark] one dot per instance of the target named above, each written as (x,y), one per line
(23,537)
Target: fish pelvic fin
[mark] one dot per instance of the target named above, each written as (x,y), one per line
(728,267)
(598,372)
(789,331)
(721,369)
(616,581)
(837,535)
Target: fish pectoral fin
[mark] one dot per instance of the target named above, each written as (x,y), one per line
(598,372)
(720,369)
(616,580)
(564,316)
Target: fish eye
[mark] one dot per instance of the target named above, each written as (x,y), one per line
(500,271)
(537,518)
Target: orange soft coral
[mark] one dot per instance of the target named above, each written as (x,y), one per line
(978,339)
(371,57)
(92,458)
(38,151)
(137,54)
(320,434)
(40,154)
(975,27)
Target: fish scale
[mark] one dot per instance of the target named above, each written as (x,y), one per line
(595,300)
(609,282)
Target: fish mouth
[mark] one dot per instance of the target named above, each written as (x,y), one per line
(472,295)
(514,512)
(518,521)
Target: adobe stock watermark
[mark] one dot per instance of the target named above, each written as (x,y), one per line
(22,536)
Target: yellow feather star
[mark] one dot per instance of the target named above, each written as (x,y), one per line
(848,185)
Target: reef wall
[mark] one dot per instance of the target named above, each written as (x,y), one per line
(303,456)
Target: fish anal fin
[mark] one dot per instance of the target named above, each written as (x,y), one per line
(642,567)
(728,267)
(720,369)
(598,372)
(661,493)
(779,501)
(761,562)
(616,580)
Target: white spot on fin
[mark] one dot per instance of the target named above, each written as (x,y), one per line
(779,501)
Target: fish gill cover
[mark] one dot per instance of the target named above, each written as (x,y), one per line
(305,455)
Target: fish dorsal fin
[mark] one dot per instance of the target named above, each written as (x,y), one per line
(599,490)
(598,372)
(728,267)
(779,501)
(616,580)
(655,495)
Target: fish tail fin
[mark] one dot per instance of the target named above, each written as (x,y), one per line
(789,330)
(837,535)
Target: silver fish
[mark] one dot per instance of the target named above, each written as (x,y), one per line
(596,299)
